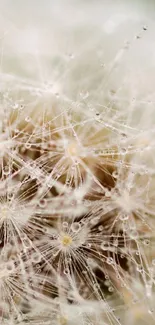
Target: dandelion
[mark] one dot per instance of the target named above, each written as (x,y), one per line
(77,164)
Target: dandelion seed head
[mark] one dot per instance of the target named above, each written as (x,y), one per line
(73,150)
(126,202)
(66,240)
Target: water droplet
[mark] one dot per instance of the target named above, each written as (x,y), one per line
(146,242)
(107,193)
(123,216)
(27,145)
(6,170)
(66,271)
(110,289)
(145,28)
(42,203)
(27,119)
(21,107)
(76,227)
(150,311)
(65,224)
(27,243)
(10,266)
(96,286)
(140,268)
(104,246)
(110,260)
(115,174)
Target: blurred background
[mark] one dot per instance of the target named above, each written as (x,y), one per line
(79,48)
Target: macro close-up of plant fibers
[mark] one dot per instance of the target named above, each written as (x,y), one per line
(77,162)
